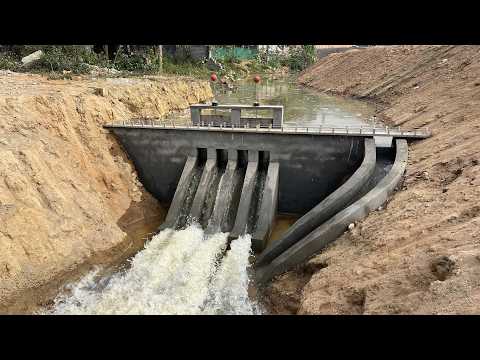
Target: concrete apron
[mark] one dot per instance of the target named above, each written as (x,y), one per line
(338,224)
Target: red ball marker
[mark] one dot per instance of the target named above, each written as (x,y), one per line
(213,77)
(256,79)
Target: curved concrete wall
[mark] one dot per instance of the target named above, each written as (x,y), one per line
(333,228)
(338,200)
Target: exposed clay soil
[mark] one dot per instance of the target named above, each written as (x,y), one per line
(421,253)
(69,196)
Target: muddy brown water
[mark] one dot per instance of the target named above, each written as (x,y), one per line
(302,106)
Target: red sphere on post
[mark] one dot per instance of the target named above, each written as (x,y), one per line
(256,79)
(213,77)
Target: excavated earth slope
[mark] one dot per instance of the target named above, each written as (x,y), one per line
(421,253)
(69,196)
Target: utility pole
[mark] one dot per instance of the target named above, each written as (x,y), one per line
(160,58)
(158,50)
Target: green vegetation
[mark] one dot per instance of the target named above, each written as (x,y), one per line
(8,62)
(296,58)
(60,61)
(185,67)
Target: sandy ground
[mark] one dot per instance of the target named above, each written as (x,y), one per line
(69,196)
(421,253)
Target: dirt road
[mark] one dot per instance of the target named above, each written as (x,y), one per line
(421,253)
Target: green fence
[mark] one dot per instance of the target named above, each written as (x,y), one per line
(238,53)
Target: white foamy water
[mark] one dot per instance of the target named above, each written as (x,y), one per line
(178,272)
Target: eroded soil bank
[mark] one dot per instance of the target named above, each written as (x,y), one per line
(421,253)
(69,196)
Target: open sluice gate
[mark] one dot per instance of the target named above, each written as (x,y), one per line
(234,174)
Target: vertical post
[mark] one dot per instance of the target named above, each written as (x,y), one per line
(160,58)
(195,115)
(105,50)
(278,117)
(235,115)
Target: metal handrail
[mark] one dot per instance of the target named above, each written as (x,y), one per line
(288,127)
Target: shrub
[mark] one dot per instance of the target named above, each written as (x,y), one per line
(147,63)
(9,62)
(296,58)
(186,67)
(300,57)
(69,58)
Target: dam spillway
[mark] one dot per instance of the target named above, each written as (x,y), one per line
(184,166)
(233,176)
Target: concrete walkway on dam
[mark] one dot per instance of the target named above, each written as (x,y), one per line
(363,131)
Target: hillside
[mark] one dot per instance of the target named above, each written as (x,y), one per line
(421,253)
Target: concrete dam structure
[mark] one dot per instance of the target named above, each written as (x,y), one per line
(234,174)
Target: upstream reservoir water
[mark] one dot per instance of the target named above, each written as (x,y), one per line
(187,271)
(302,106)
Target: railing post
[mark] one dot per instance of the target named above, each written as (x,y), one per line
(278,117)
(235,115)
(195,115)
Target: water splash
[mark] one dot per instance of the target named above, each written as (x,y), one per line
(178,272)
(229,290)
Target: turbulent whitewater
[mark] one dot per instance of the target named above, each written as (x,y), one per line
(178,272)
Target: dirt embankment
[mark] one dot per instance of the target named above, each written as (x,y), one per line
(421,253)
(69,196)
